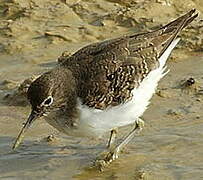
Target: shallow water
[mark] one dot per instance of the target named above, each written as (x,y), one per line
(171,144)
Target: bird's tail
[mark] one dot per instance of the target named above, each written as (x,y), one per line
(175,27)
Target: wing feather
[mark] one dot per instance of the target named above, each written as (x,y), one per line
(108,71)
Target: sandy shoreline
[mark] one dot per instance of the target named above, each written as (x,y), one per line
(33,34)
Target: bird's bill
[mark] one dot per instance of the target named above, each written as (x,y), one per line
(30,120)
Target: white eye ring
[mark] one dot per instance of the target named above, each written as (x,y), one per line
(48,101)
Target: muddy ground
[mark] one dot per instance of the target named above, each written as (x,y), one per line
(34,33)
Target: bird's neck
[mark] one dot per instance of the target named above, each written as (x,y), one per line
(64,83)
(68,91)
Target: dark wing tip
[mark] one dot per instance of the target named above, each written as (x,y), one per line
(190,18)
(191,12)
(176,26)
(196,15)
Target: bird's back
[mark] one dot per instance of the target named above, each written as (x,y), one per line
(109,71)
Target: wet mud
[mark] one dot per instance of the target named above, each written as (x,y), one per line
(34,34)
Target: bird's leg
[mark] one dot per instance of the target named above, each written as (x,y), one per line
(113,153)
(112,138)
(139,124)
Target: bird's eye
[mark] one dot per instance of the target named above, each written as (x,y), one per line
(48,101)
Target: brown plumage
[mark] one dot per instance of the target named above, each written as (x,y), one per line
(107,72)
(102,75)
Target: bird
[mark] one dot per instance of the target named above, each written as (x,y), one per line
(104,85)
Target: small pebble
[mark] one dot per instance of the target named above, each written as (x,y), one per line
(173,112)
(51,138)
(190,81)
(163,94)
(198,116)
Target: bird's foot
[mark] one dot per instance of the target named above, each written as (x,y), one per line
(140,123)
(106,158)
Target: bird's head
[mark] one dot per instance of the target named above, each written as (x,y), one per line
(50,92)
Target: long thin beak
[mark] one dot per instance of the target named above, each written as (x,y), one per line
(30,120)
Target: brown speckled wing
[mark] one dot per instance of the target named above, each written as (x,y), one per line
(110,70)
